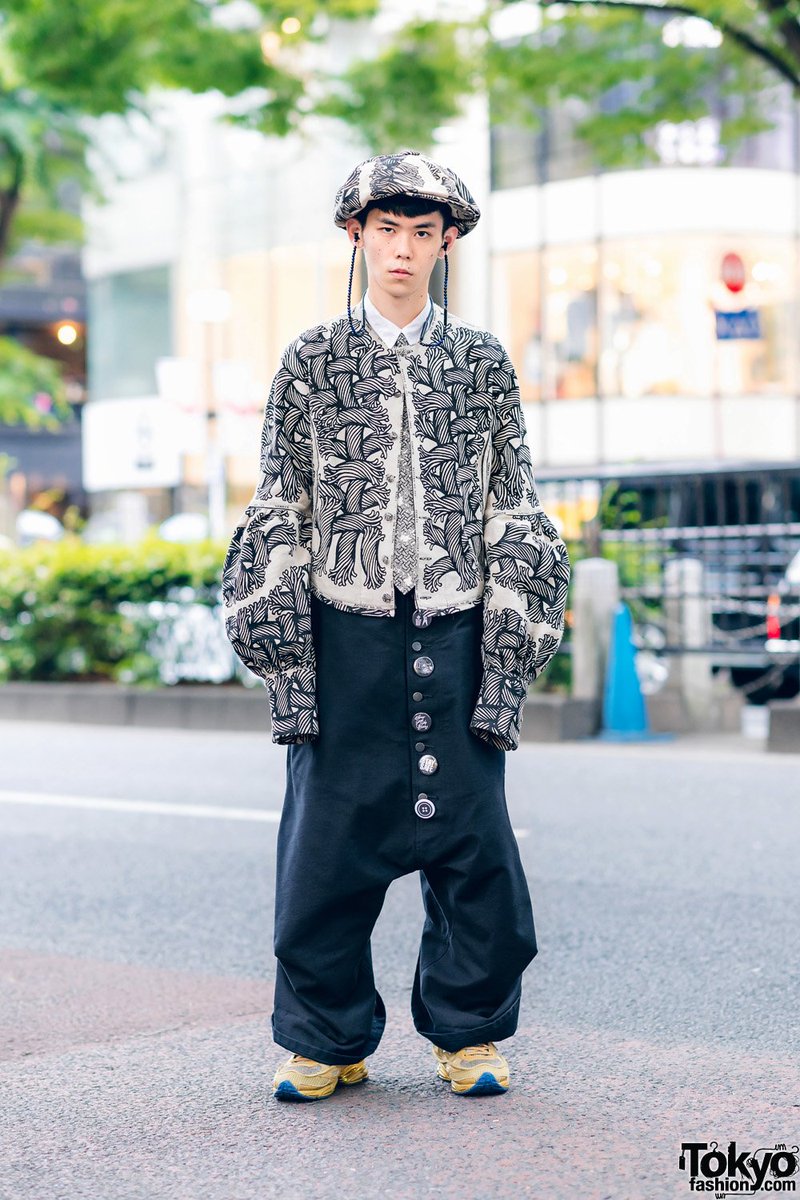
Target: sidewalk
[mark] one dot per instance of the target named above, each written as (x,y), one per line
(234,708)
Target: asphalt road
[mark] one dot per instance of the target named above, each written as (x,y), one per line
(136,878)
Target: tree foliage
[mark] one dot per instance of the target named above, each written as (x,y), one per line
(629,65)
(428,63)
(62,64)
(32,391)
(624,66)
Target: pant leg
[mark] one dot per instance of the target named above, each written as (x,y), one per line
(346,831)
(334,867)
(479,934)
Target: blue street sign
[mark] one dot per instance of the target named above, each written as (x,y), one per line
(738,325)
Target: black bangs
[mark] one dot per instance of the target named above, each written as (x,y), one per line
(409,206)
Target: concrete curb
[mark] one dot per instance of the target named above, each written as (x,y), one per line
(547,718)
(784,727)
(192,707)
(555,717)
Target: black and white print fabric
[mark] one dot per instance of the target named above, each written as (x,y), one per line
(408,173)
(323,514)
(405,532)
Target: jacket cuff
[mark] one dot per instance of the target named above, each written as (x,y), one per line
(497,718)
(293,706)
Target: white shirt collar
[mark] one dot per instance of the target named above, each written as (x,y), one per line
(388,331)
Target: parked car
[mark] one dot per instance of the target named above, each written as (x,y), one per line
(776,634)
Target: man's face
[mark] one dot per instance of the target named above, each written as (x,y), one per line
(401,252)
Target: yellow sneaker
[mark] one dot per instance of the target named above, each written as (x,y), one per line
(474,1070)
(301,1078)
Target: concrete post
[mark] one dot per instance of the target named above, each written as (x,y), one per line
(595,596)
(688,619)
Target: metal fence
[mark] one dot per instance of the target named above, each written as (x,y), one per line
(709,559)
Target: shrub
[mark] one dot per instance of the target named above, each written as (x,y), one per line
(69,610)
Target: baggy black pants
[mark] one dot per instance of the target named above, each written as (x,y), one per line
(349,827)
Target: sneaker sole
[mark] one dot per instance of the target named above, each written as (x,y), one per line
(286,1090)
(487,1085)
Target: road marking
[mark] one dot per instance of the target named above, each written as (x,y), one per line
(209,812)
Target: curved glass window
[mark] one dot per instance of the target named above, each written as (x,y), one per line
(660,331)
(648,317)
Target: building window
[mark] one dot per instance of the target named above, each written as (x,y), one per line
(564,365)
(130,327)
(570,275)
(658,302)
(521,155)
(514,155)
(637,317)
(516,316)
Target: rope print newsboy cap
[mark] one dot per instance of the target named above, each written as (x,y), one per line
(407,173)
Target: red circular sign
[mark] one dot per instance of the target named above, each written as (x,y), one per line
(733,272)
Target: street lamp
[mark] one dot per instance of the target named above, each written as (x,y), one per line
(210,307)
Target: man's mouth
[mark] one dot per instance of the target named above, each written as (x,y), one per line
(399,271)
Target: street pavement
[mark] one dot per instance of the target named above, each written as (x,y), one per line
(137,873)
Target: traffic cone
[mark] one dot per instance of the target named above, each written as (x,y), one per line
(624,710)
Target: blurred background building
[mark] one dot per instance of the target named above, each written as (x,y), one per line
(43,307)
(209,257)
(651,313)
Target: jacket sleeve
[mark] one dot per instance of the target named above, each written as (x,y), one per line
(527,574)
(266,572)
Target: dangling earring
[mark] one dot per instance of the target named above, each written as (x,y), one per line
(441,337)
(353,329)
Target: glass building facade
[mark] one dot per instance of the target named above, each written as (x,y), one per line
(611,292)
(634,317)
(130,323)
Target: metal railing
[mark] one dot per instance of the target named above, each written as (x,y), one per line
(722,543)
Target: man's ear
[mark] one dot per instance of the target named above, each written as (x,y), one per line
(449,236)
(355,229)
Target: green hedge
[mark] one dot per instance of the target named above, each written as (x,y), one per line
(60,614)
(66,608)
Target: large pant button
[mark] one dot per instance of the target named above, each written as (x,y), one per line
(423,665)
(421,720)
(424,807)
(428,764)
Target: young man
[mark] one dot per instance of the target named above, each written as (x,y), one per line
(396,584)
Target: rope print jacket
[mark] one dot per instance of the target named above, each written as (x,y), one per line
(322,515)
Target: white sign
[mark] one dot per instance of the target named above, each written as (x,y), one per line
(130,444)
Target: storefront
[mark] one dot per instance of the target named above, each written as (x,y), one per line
(637,317)
(650,315)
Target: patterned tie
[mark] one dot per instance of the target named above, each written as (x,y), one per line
(405,536)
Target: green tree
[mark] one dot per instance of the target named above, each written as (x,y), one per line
(62,64)
(41,149)
(631,65)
